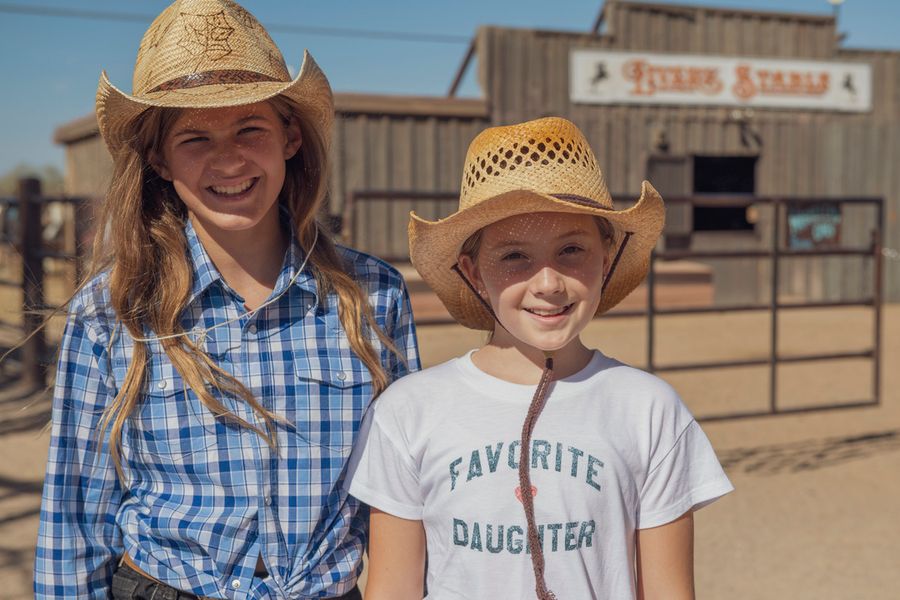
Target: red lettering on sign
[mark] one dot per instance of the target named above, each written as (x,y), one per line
(649,79)
(778,82)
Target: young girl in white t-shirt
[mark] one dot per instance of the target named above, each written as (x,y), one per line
(593,496)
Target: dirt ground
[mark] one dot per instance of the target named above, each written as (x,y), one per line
(815,512)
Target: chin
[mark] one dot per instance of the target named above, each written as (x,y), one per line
(548,344)
(233,222)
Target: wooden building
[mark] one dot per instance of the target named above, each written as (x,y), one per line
(727,152)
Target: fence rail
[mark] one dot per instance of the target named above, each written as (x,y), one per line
(774,254)
(23,231)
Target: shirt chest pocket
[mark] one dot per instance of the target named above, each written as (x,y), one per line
(329,404)
(171,425)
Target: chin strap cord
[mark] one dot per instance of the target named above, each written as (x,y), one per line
(534,411)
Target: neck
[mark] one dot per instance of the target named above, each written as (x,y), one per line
(248,260)
(509,359)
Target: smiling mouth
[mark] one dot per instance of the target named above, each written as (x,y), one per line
(550,312)
(233,190)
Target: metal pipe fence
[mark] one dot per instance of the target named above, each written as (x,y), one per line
(774,254)
(22,231)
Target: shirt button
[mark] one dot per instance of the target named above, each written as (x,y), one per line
(252,329)
(236,584)
(162,384)
(341,376)
(268,500)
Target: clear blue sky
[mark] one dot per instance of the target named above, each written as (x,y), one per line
(52,63)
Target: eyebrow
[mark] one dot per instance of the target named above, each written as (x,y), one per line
(239,122)
(570,233)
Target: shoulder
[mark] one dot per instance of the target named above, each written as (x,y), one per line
(419,392)
(370,271)
(91,306)
(637,380)
(637,390)
(413,407)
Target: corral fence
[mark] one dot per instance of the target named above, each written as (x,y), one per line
(28,239)
(375,221)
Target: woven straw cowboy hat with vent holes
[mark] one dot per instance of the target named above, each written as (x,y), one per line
(539,166)
(207,54)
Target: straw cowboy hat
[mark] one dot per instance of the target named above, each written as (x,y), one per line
(204,54)
(544,165)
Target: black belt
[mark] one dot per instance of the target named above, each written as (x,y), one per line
(128,584)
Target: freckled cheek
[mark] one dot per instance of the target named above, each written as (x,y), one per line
(186,164)
(586,275)
(499,278)
(502,297)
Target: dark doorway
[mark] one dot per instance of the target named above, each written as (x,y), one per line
(724,176)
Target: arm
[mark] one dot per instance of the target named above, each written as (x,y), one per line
(78,541)
(396,558)
(403,334)
(665,560)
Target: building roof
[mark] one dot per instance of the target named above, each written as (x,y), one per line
(692,8)
(345,104)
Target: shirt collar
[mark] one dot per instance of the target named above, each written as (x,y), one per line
(206,273)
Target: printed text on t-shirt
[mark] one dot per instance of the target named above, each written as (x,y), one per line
(544,455)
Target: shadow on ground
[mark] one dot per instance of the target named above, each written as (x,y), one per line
(23,408)
(808,455)
(17,562)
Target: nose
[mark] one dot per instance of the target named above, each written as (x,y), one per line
(547,282)
(227,159)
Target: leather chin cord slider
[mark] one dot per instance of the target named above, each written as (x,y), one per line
(548,360)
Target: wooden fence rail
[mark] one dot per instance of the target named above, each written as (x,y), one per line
(23,230)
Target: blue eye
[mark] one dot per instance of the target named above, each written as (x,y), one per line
(513,256)
(571,250)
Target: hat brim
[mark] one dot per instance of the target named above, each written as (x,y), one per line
(434,245)
(310,90)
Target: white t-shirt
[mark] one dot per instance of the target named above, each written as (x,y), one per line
(614,450)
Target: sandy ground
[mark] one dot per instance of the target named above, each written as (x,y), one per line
(815,512)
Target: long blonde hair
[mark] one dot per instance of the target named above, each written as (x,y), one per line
(141,241)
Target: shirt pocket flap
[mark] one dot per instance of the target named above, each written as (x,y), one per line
(338,376)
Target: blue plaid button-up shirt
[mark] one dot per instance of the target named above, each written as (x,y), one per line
(204,497)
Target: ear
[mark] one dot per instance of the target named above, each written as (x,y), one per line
(607,262)
(159,165)
(470,269)
(293,139)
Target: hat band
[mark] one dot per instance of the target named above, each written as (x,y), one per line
(192,80)
(580,200)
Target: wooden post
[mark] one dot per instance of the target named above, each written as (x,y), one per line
(34,370)
(83,213)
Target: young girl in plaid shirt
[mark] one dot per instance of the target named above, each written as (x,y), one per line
(216,365)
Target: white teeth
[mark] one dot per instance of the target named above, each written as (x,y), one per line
(232,189)
(548,313)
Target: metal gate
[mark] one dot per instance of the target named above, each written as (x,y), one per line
(21,232)
(774,306)
(391,245)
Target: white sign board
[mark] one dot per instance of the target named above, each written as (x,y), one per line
(602,77)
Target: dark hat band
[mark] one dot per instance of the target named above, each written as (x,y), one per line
(192,80)
(580,200)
